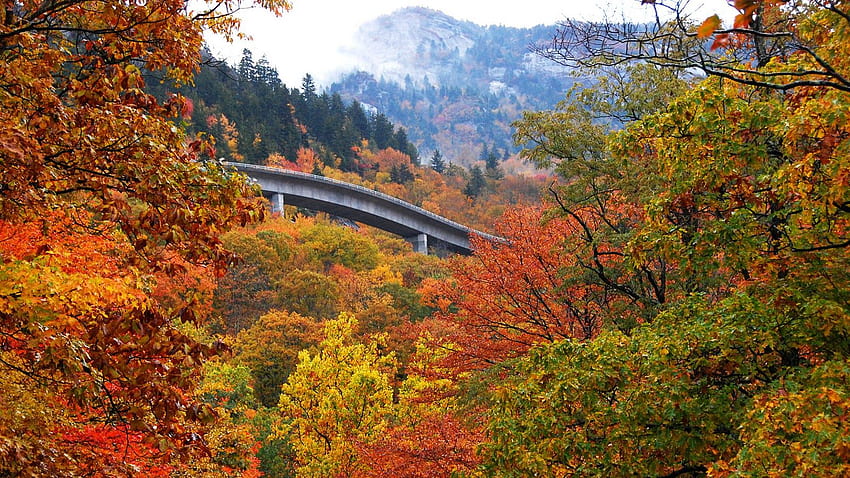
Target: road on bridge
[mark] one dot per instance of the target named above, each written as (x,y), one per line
(418,226)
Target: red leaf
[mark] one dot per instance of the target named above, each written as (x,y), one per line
(720,41)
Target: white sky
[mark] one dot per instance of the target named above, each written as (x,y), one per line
(307,38)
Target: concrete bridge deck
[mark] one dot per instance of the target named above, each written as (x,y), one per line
(418,226)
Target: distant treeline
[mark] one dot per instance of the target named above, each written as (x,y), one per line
(252,115)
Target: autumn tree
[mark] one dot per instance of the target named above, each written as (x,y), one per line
(514,293)
(429,434)
(233,438)
(248,289)
(90,158)
(270,348)
(330,244)
(337,397)
(740,192)
(308,293)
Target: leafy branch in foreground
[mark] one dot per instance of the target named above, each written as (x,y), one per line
(101,191)
(772,43)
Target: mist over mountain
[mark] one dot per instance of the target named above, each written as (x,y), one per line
(415,43)
(454,85)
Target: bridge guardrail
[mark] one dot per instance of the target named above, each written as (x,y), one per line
(356,187)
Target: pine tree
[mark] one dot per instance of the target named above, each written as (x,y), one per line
(308,87)
(438,164)
(382,131)
(405,146)
(266,74)
(485,152)
(401,174)
(493,171)
(247,69)
(476,183)
(359,119)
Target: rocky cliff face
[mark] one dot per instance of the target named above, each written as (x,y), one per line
(414,43)
(456,86)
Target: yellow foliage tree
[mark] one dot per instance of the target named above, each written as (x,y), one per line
(335,399)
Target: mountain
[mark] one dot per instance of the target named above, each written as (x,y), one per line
(423,45)
(454,85)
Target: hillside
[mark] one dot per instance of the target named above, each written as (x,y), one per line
(254,118)
(677,305)
(454,85)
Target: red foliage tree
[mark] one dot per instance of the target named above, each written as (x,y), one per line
(514,293)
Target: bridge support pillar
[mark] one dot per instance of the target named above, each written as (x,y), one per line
(419,242)
(277,202)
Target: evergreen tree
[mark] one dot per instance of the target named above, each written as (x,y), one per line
(359,119)
(405,146)
(382,131)
(492,160)
(401,174)
(438,164)
(266,74)
(308,87)
(247,69)
(455,170)
(493,171)
(476,184)
(252,115)
(485,153)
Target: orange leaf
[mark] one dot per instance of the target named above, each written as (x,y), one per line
(708,27)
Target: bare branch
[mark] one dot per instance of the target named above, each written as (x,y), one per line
(736,54)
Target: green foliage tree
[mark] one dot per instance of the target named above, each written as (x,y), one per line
(329,244)
(308,87)
(670,398)
(401,174)
(738,209)
(247,290)
(382,131)
(270,348)
(247,69)
(308,293)
(233,437)
(476,184)
(359,120)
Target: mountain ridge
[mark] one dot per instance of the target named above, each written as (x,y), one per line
(454,85)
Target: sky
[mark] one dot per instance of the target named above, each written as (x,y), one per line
(308,38)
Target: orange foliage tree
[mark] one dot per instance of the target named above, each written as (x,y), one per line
(532,287)
(100,189)
(430,435)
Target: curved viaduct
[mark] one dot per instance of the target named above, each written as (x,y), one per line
(414,224)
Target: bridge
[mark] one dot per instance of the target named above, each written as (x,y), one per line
(416,225)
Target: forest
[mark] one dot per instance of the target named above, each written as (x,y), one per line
(670,297)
